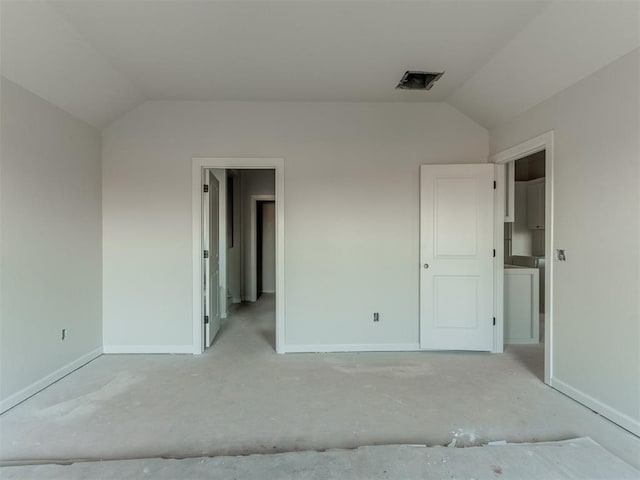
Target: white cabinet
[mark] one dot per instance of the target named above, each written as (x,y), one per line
(521,309)
(535,204)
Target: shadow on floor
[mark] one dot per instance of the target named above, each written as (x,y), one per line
(530,356)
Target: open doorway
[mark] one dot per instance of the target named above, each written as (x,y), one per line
(238,219)
(523,221)
(524,259)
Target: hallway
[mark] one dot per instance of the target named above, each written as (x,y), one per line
(241,397)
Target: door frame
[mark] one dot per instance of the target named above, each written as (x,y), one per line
(197,169)
(536,144)
(253,258)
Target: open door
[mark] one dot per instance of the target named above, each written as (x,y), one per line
(211,267)
(456,256)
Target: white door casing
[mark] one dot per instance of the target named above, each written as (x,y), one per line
(456,256)
(541,142)
(199,164)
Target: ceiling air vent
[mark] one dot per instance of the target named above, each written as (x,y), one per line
(419,80)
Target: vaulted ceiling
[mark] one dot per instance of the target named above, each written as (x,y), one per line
(100,59)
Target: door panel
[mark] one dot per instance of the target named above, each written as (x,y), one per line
(210,241)
(456,301)
(455,226)
(456,256)
(214,259)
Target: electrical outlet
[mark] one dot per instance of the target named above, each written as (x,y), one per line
(376,317)
(63,335)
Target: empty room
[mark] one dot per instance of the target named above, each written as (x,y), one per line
(320,239)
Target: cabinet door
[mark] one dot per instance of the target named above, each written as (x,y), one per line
(535,205)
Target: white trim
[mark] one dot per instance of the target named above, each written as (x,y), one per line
(253,241)
(354,347)
(122,349)
(268,291)
(541,142)
(198,164)
(616,416)
(44,382)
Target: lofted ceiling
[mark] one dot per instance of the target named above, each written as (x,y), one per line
(99,59)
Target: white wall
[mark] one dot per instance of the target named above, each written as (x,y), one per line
(50,244)
(269,247)
(596,327)
(351,207)
(253,182)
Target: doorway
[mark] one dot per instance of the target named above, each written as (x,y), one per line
(524,266)
(200,167)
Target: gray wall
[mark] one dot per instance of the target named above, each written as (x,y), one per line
(234,260)
(254,182)
(351,199)
(596,327)
(268,247)
(50,218)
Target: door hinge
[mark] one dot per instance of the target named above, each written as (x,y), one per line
(495,185)
(205,188)
(206,319)
(494,320)
(494,253)
(206,254)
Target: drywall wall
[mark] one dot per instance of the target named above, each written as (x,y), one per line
(50,217)
(234,236)
(351,213)
(596,326)
(268,247)
(252,182)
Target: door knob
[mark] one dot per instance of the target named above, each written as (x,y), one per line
(426,265)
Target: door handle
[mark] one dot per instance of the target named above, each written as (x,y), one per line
(426,265)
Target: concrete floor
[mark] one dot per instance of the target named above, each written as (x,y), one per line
(578,459)
(240,397)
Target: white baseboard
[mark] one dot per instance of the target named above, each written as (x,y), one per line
(44,382)
(268,291)
(625,421)
(236,300)
(353,347)
(121,349)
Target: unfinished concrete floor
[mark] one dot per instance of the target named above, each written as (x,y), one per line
(578,459)
(241,397)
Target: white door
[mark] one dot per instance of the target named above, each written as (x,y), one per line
(456,256)
(210,240)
